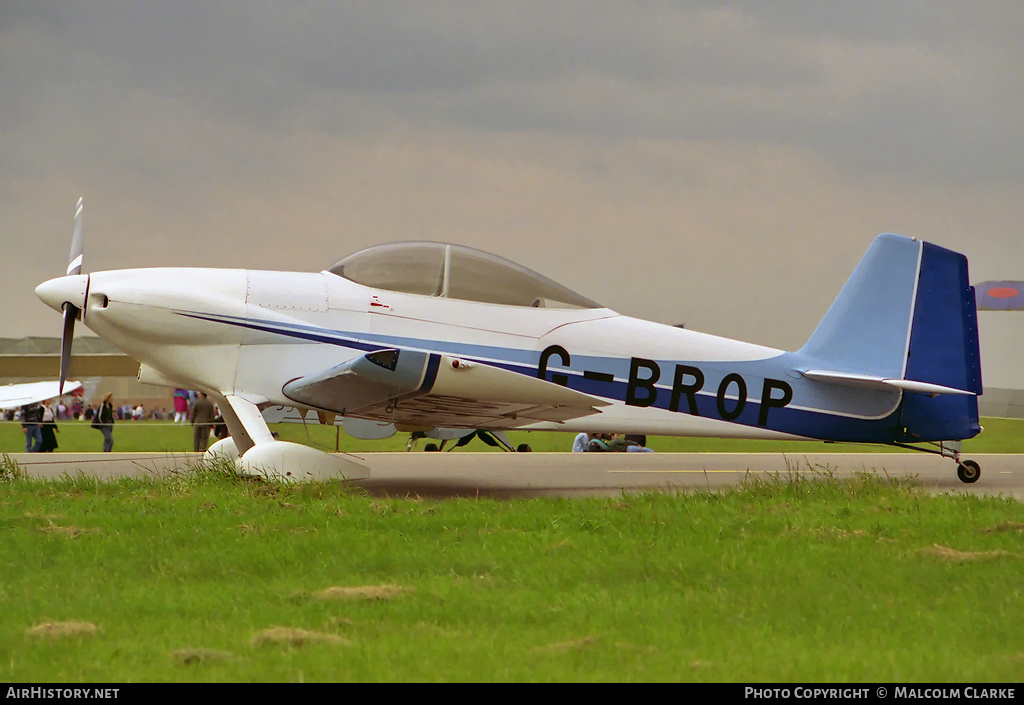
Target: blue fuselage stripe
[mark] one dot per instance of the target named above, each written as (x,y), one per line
(611,381)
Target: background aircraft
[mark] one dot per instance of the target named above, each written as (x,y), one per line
(1000,296)
(418,336)
(15,395)
(1001,327)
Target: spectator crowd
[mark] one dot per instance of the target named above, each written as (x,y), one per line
(39,420)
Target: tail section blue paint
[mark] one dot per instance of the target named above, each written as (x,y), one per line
(908,312)
(866,329)
(944,350)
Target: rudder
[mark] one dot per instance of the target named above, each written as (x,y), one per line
(944,349)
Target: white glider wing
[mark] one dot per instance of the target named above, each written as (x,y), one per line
(415,389)
(15,395)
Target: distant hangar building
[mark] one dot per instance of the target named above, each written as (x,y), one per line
(35,359)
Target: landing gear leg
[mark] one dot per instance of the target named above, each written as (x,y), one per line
(262,455)
(967,470)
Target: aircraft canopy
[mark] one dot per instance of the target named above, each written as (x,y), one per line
(455,272)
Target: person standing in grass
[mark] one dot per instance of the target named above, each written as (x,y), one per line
(180,406)
(201,416)
(104,421)
(32,427)
(49,430)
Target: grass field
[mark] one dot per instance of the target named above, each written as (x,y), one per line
(209,578)
(999,436)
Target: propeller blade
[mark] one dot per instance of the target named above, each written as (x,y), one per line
(75,258)
(70,313)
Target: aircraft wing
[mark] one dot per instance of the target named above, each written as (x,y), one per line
(415,389)
(15,395)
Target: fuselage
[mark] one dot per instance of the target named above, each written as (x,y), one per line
(250,332)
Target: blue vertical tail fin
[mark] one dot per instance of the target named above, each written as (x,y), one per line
(906,319)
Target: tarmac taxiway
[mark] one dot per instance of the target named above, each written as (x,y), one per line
(507,475)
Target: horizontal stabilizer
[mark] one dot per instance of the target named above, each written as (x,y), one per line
(872,382)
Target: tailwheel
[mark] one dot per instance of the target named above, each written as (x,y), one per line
(968,471)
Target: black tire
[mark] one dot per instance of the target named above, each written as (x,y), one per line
(968,471)
(524,448)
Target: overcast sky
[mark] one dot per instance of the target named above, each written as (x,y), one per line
(722,165)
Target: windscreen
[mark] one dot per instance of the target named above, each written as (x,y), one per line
(410,267)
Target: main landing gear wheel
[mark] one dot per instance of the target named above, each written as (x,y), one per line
(968,471)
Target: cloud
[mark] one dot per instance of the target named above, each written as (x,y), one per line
(722,165)
(886,88)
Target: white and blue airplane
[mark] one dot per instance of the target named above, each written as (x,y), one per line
(425,336)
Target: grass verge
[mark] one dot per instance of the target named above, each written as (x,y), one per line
(209,577)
